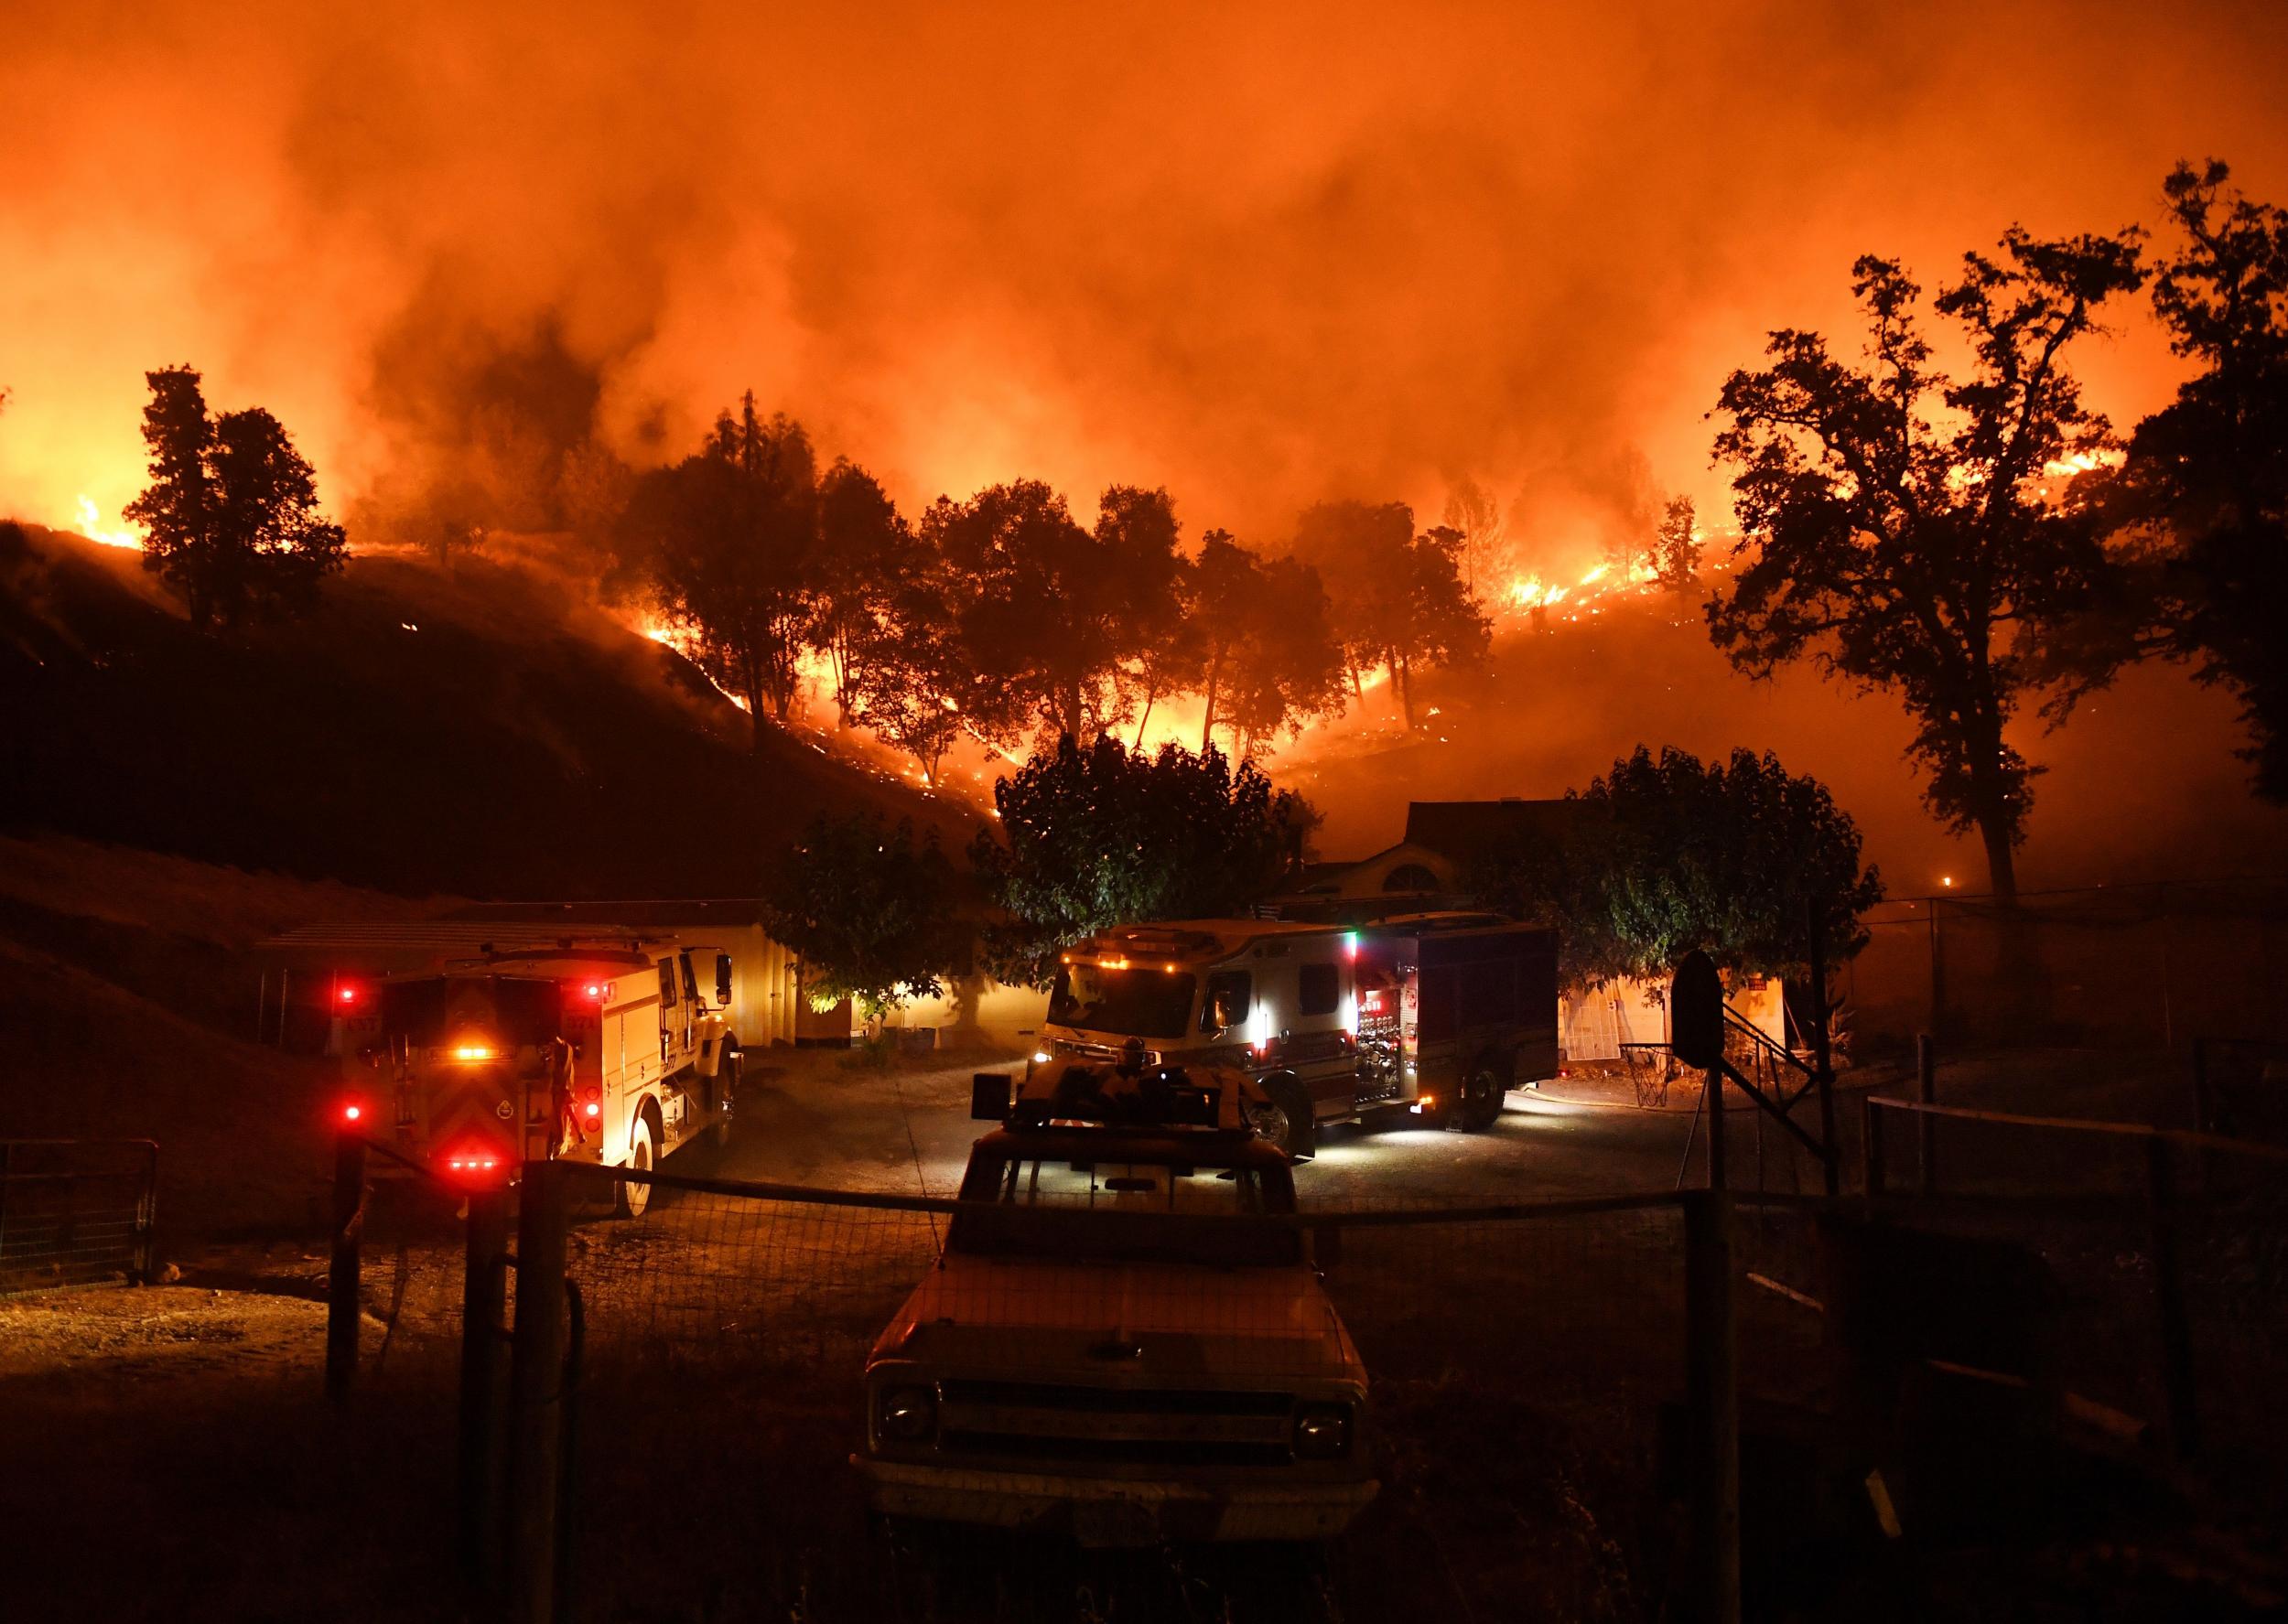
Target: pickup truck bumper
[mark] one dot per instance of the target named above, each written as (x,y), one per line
(1115,1511)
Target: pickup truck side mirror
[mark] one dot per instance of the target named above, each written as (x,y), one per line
(989,1096)
(722,980)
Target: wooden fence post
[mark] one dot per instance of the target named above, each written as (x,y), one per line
(536,1394)
(1822,1058)
(1711,1405)
(342,1307)
(2178,1392)
(483,1367)
(1926,1125)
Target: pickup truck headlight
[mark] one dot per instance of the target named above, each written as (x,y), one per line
(906,1415)
(1323,1432)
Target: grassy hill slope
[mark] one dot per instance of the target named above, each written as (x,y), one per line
(485,731)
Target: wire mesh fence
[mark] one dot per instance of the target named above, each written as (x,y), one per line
(2151,1266)
(75,1212)
(2138,967)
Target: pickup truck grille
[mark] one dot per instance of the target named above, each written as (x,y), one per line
(1099,1425)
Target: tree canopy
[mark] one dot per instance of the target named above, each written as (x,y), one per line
(2198,511)
(734,536)
(231,516)
(870,913)
(1895,530)
(1103,835)
(1673,853)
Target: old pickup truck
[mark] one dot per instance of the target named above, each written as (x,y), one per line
(1125,1337)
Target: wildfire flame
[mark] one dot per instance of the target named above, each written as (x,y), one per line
(90,521)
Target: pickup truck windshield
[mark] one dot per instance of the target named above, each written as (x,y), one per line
(1123,1211)
(1136,1003)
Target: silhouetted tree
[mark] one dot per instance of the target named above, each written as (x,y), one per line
(1432,619)
(1104,834)
(869,912)
(1039,602)
(1675,554)
(865,553)
(1674,855)
(1359,550)
(1472,511)
(231,515)
(2199,510)
(1270,656)
(1157,652)
(734,534)
(1894,528)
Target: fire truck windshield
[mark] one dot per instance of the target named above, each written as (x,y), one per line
(512,1012)
(1134,1002)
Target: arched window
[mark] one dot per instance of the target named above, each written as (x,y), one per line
(1410,876)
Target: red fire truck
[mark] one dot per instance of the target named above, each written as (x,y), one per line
(602,1051)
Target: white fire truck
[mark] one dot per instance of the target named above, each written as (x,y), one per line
(1437,1016)
(602,1051)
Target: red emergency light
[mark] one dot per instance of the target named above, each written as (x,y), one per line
(474,1165)
(348,994)
(351,1113)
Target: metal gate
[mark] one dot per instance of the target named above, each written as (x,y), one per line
(75,1212)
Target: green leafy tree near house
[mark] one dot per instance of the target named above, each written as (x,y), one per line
(869,912)
(1103,835)
(230,517)
(1673,853)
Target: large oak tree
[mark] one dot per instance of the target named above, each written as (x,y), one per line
(1895,530)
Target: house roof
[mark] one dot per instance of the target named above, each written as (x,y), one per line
(1462,830)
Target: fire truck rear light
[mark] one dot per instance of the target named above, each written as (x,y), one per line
(594,1110)
(472,1051)
(594,989)
(348,994)
(351,1113)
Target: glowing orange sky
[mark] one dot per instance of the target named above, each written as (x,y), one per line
(1261,258)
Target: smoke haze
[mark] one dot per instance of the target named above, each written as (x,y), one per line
(1264,259)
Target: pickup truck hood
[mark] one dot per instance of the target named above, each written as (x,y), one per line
(1100,1322)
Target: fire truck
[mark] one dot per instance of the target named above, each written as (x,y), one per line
(1434,1015)
(602,1052)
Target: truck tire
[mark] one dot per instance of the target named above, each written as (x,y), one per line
(1483,1088)
(630,1201)
(1287,1119)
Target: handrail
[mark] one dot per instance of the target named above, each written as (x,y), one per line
(2131,1130)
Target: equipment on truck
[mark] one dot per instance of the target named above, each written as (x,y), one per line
(1435,1014)
(600,1051)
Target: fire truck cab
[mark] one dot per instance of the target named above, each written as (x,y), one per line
(605,1053)
(1436,1015)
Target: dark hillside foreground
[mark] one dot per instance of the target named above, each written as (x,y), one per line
(129,995)
(485,731)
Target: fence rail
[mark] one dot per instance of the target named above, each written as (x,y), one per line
(75,1212)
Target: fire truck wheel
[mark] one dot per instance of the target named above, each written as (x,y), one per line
(1483,1092)
(631,1200)
(1286,1120)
